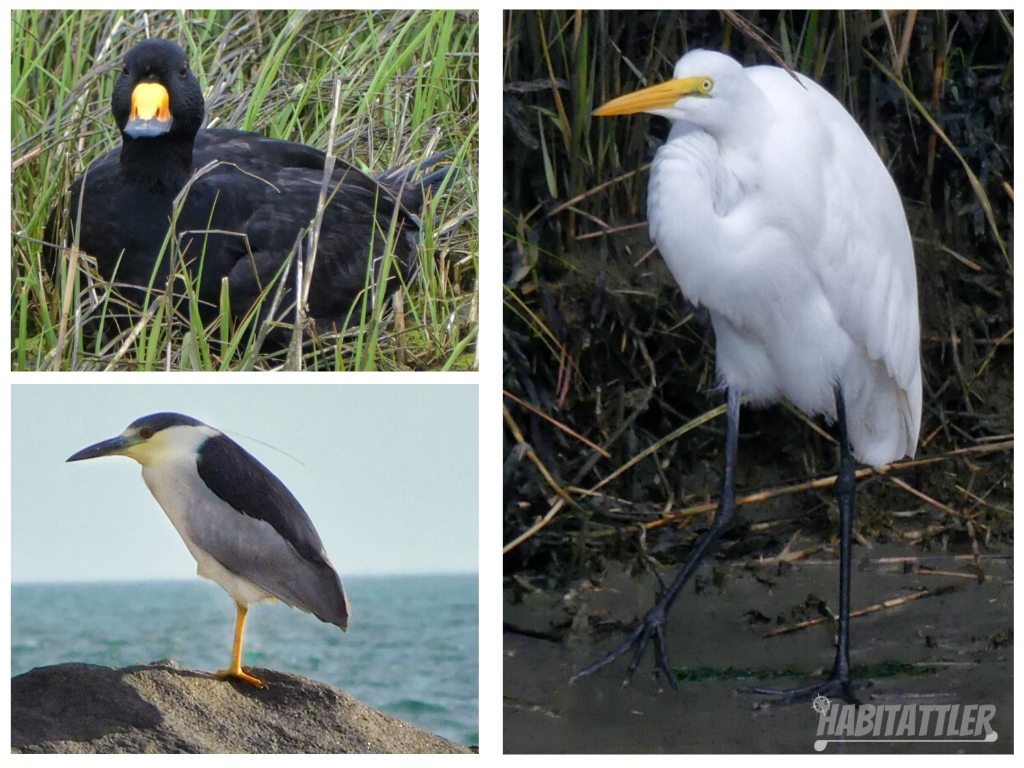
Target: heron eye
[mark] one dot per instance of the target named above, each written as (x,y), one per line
(145,433)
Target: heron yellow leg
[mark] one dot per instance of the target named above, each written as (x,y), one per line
(235,670)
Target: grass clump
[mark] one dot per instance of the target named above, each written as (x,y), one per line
(380,89)
(612,419)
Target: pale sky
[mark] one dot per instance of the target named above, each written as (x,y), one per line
(388,474)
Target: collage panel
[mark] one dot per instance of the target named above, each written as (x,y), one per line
(758,448)
(232,190)
(240,192)
(319,511)
(756,338)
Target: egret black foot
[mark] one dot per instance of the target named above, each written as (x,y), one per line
(241,674)
(833,688)
(652,629)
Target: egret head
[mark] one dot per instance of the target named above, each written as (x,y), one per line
(707,89)
(151,439)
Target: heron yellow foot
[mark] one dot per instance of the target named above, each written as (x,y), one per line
(241,674)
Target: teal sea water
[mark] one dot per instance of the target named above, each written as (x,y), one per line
(411,647)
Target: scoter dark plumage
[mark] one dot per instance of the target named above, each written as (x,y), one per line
(241,218)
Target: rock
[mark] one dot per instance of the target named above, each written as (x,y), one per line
(162,707)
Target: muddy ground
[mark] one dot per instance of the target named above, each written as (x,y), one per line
(953,646)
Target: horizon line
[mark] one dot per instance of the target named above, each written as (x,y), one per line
(200,580)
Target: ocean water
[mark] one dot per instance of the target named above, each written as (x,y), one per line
(410,650)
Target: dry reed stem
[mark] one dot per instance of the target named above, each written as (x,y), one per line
(891,603)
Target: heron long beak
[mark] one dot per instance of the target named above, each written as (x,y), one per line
(151,111)
(661,96)
(115,446)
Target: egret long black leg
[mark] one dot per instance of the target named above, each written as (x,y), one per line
(653,626)
(838,683)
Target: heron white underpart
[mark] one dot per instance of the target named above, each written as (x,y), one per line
(246,531)
(773,210)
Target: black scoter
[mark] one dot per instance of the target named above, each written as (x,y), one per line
(249,199)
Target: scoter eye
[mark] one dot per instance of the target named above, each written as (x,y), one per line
(183,69)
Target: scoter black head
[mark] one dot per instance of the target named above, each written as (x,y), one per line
(156,93)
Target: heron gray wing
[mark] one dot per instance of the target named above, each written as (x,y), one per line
(272,541)
(253,551)
(239,479)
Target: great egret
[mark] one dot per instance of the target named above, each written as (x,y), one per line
(773,211)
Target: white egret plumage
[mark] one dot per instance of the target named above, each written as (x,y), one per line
(773,210)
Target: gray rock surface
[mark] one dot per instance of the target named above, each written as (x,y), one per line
(163,707)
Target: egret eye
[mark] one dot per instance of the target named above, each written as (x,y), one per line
(706,86)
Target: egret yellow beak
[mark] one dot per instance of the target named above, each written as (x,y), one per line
(659,96)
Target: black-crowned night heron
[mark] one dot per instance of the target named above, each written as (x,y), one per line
(246,531)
